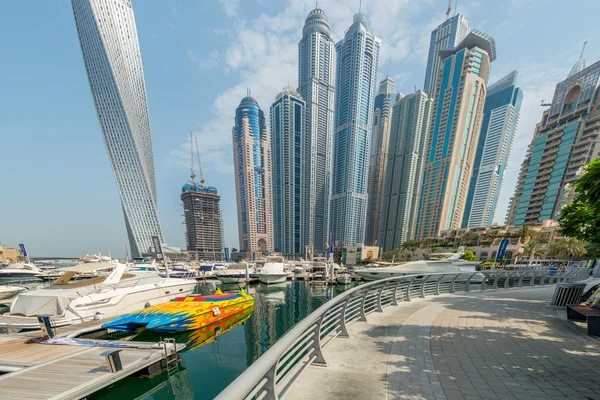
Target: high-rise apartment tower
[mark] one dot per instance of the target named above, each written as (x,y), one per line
(446,36)
(564,141)
(253,180)
(500,122)
(111,53)
(456,122)
(290,151)
(356,79)
(316,60)
(411,117)
(378,158)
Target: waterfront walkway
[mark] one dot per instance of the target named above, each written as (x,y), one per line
(508,344)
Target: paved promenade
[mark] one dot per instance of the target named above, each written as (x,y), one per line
(506,344)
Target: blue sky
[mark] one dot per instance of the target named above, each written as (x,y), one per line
(57,192)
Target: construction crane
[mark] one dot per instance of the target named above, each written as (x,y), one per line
(192,175)
(449,9)
(545,104)
(199,164)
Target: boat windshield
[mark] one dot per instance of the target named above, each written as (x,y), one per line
(206,268)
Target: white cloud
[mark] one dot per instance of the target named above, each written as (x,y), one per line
(204,63)
(231,7)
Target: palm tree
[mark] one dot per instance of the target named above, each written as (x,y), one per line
(468,237)
(567,247)
(526,233)
(494,234)
(531,249)
(427,242)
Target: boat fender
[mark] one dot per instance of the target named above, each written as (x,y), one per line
(216,311)
(147,304)
(97,315)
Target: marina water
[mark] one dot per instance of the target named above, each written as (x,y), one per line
(215,357)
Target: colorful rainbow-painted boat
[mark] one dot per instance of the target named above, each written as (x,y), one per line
(183,313)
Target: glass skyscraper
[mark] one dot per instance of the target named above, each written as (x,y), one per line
(446,36)
(111,53)
(564,141)
(378,158)
(500,121)
(253,180)
(411,117)
(356,80)
(456,123)
(316,60)
(290,149)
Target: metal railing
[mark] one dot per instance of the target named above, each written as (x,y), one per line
(273,373)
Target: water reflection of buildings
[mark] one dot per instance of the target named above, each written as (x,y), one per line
(276,310)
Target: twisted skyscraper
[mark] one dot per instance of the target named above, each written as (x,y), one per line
(316,56)
(356,80)
(109,43)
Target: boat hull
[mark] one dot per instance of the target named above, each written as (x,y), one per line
(237,278)
(272,278)
(183,314)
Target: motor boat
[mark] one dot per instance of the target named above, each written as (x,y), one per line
(8,291)
(209,270)
(183,313)
(450,264)
(20,271)
(273,271)
(236,274)
(70,301)
(180,270)
(344,279)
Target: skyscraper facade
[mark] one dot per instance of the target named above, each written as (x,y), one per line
(316,60)
(290,150)
(202,211)
(446,36)
(498,129)
(356,74)
(253,180)
(564,141)
(411,117)
(456,122)
(111,53)
(378,158)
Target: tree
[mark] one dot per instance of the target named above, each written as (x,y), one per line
(581,218)
(234,250)
(469,237)
(567,247)
(526,233)
(411,245)
(532,248)
(468,256)
(494,234)
(427,242)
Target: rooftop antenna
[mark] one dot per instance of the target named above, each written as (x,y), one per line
(455,7)
(582,50)
(199,164)
(192,175)
(248,93)
(359,6)
(449,10)
(317,4)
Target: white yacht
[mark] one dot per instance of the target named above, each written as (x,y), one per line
(8,291)
(71,301)
(20,271)
(273,271)
(450,264)
(236,274)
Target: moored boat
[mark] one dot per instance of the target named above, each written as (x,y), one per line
(183,313)
(273,271)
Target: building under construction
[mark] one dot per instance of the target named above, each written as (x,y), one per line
(202,212)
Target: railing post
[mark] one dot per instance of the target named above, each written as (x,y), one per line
(271,385)
(542,283)
(483,281)
(344,331)
(423,282)
(468,284)
(437,286)
(407,297)
(363,315)
(394,299)
(520,284)
(495,276)
(507,280)
(378,307)
(452,289)
(319,360)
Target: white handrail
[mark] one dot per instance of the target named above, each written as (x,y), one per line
(273,373)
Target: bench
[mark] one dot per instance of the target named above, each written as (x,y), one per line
(591,314)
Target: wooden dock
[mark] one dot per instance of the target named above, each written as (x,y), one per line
(71,372)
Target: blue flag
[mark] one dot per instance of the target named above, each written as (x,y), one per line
(23,250)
